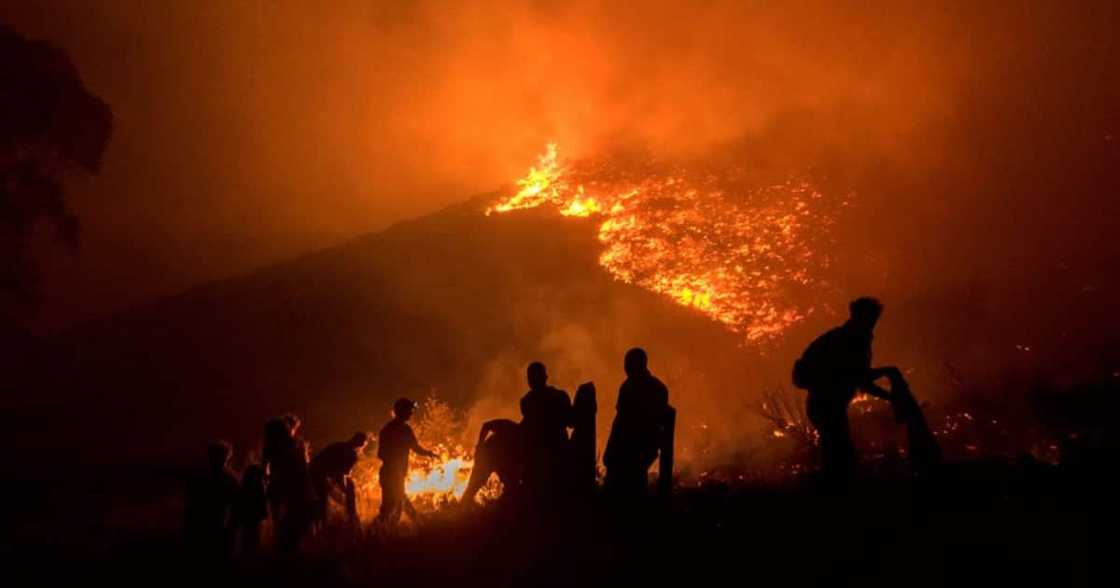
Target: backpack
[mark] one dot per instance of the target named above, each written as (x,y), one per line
(807,368)
(802,374)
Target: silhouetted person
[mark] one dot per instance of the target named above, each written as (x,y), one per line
(330,474)
(833,369)
(394,443)
(211,499)
(583,446)
(291,496)
(639,428)
(252,507)
(498,451)
(546,414)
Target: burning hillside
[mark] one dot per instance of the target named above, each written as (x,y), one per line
(744,255)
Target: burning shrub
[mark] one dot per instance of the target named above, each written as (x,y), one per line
(432,483)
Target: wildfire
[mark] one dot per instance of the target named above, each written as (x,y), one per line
(448,477)
(432,482)
(743,256)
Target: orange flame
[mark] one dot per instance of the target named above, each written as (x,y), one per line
(737,256)
(449,476)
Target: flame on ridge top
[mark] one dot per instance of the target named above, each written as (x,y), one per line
(745,256)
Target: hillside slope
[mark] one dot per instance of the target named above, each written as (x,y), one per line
(455,304)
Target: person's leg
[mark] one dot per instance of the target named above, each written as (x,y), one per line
(837,449)
(393,499)
(819,417)
(625,487)
(387,503)
(251,538)
(846,449)
(830,424)
(287,538)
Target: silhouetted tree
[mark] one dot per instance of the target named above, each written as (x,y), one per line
(51,127)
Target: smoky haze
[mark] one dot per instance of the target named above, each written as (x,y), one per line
(980,142)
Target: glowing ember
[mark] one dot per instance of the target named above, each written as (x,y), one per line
(743,256)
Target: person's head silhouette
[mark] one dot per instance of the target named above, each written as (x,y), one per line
(403,409)
(218,454)
(864,312)
(293,423)
(276,431)
(359,441)
(636,362)
(537,375)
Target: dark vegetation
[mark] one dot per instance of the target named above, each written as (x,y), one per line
(986,518)
(51,127)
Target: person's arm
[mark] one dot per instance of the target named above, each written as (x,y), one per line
(876,390)
(487,427)
(415,446)
(424,452)
(873,374)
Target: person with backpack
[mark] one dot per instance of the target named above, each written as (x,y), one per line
(833,369)
(637,438)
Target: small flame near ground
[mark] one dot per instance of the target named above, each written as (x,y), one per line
(746,256)
(432,482)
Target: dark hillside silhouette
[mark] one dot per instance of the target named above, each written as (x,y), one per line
(454,302)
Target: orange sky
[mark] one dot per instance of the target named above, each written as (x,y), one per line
(253,131)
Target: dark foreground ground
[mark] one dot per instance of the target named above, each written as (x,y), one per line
(981,521)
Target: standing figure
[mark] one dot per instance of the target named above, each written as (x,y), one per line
(642,417)
(291,496)
(833,368)
(584,457)
(546,415)
(211,498)
(330,473)
(394,443)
